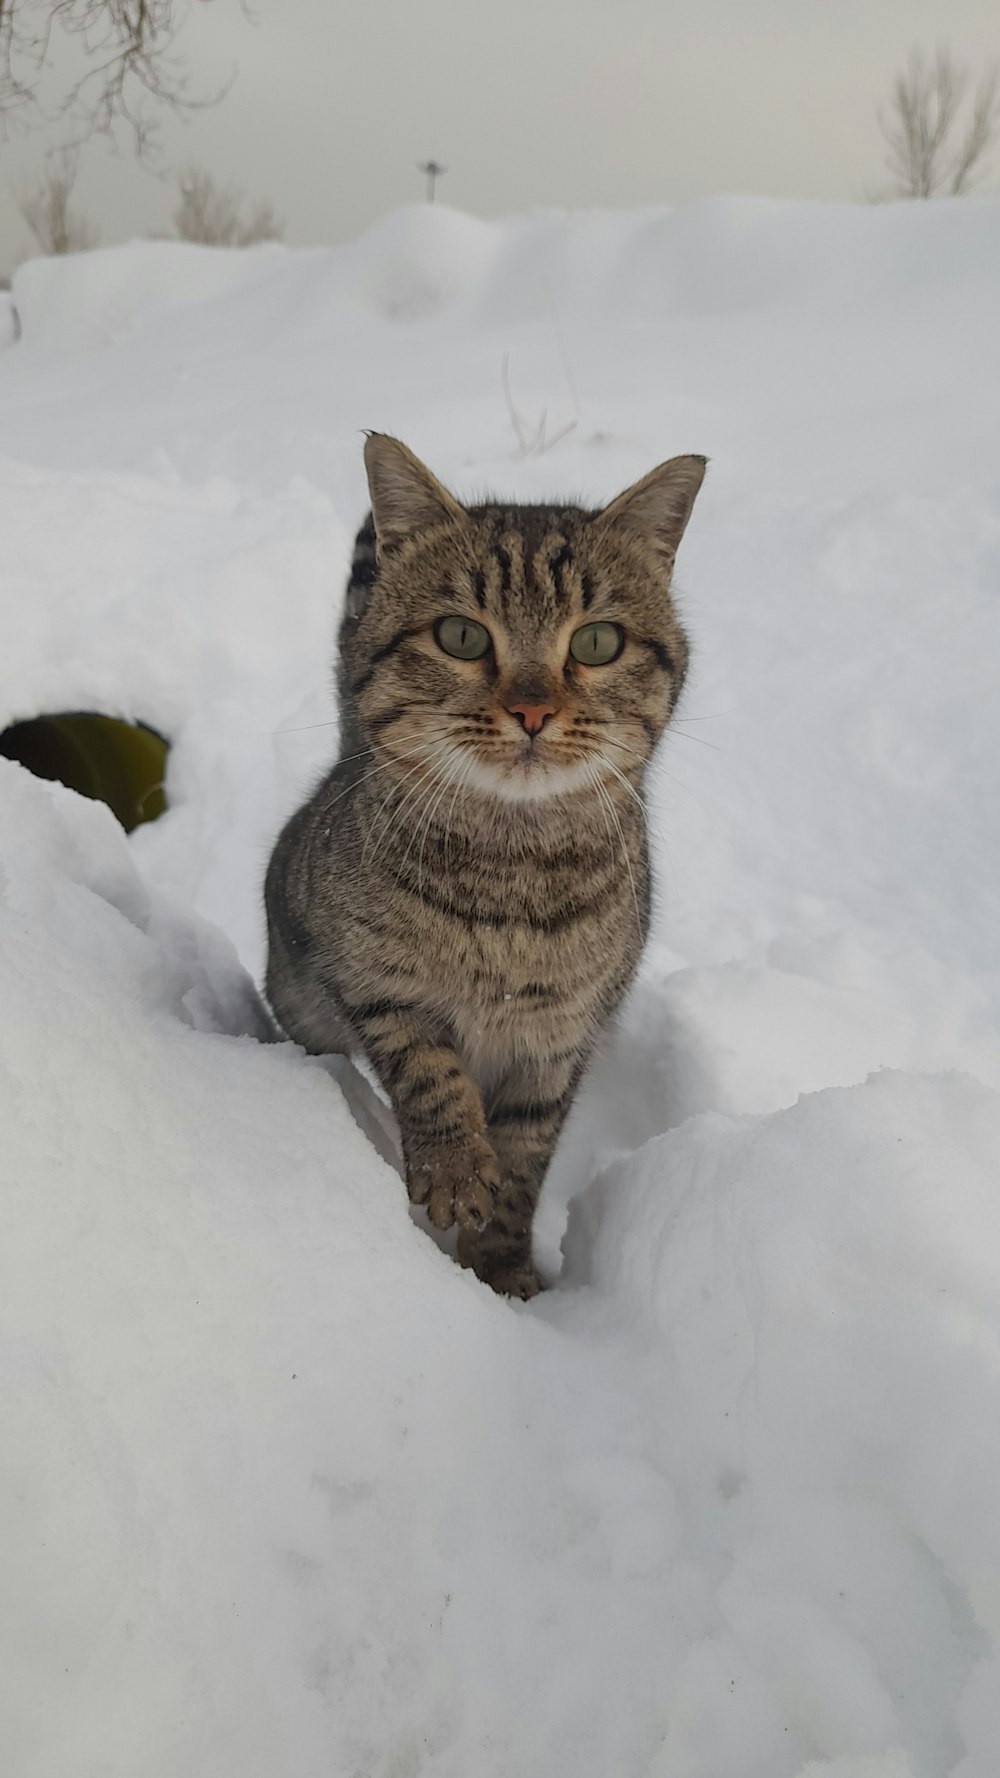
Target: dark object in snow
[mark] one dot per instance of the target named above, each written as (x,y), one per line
(119,763)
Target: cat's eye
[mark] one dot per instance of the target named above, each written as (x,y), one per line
(594,645)
(462,637)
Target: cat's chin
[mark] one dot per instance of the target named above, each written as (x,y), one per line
(530,780)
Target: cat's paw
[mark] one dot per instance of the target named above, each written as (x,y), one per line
(457,1184)
(519,1281)
(509,1272)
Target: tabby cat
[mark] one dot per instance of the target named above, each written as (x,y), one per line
(466,896)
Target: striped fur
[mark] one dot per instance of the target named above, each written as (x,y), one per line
(465,902)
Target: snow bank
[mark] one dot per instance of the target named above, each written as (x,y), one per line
(88,300)
(823,1293)
(284,1492)
(716,256)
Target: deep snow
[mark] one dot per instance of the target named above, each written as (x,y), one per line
(284,1493)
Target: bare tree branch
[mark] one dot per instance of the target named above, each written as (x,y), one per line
(929,149)
(982,128)
(130,59)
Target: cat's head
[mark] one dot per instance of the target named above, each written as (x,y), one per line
(520,651)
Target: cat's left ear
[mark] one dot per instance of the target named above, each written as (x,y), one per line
(659,506)
(406,497)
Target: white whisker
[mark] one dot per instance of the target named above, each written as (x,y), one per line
(428,789)
(676,728)
(462,780)
(383,767)
(592,774)
(613,812)
(459,765)
(656,765)
(396,786)
(633,793)
(427,759)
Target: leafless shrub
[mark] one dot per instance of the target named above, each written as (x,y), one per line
(214,215)
(48,210)
(939,127)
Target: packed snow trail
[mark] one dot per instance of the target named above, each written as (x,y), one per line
(285,1493)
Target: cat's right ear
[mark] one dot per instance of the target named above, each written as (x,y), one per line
(406,497)
(659,506)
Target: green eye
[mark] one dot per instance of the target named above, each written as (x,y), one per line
(461,637)
(597,644)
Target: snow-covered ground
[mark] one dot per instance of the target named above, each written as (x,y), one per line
(283,1493)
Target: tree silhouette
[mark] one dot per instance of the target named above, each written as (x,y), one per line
(937,141)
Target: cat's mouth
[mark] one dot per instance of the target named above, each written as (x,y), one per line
(511,768)
(527,773)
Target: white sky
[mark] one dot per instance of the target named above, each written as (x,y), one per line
(527,102)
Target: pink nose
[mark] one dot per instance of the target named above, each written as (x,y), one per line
(532,717)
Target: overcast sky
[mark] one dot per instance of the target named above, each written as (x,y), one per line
(527,102)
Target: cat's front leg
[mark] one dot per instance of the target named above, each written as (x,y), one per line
(524,1117)
(451,1166)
